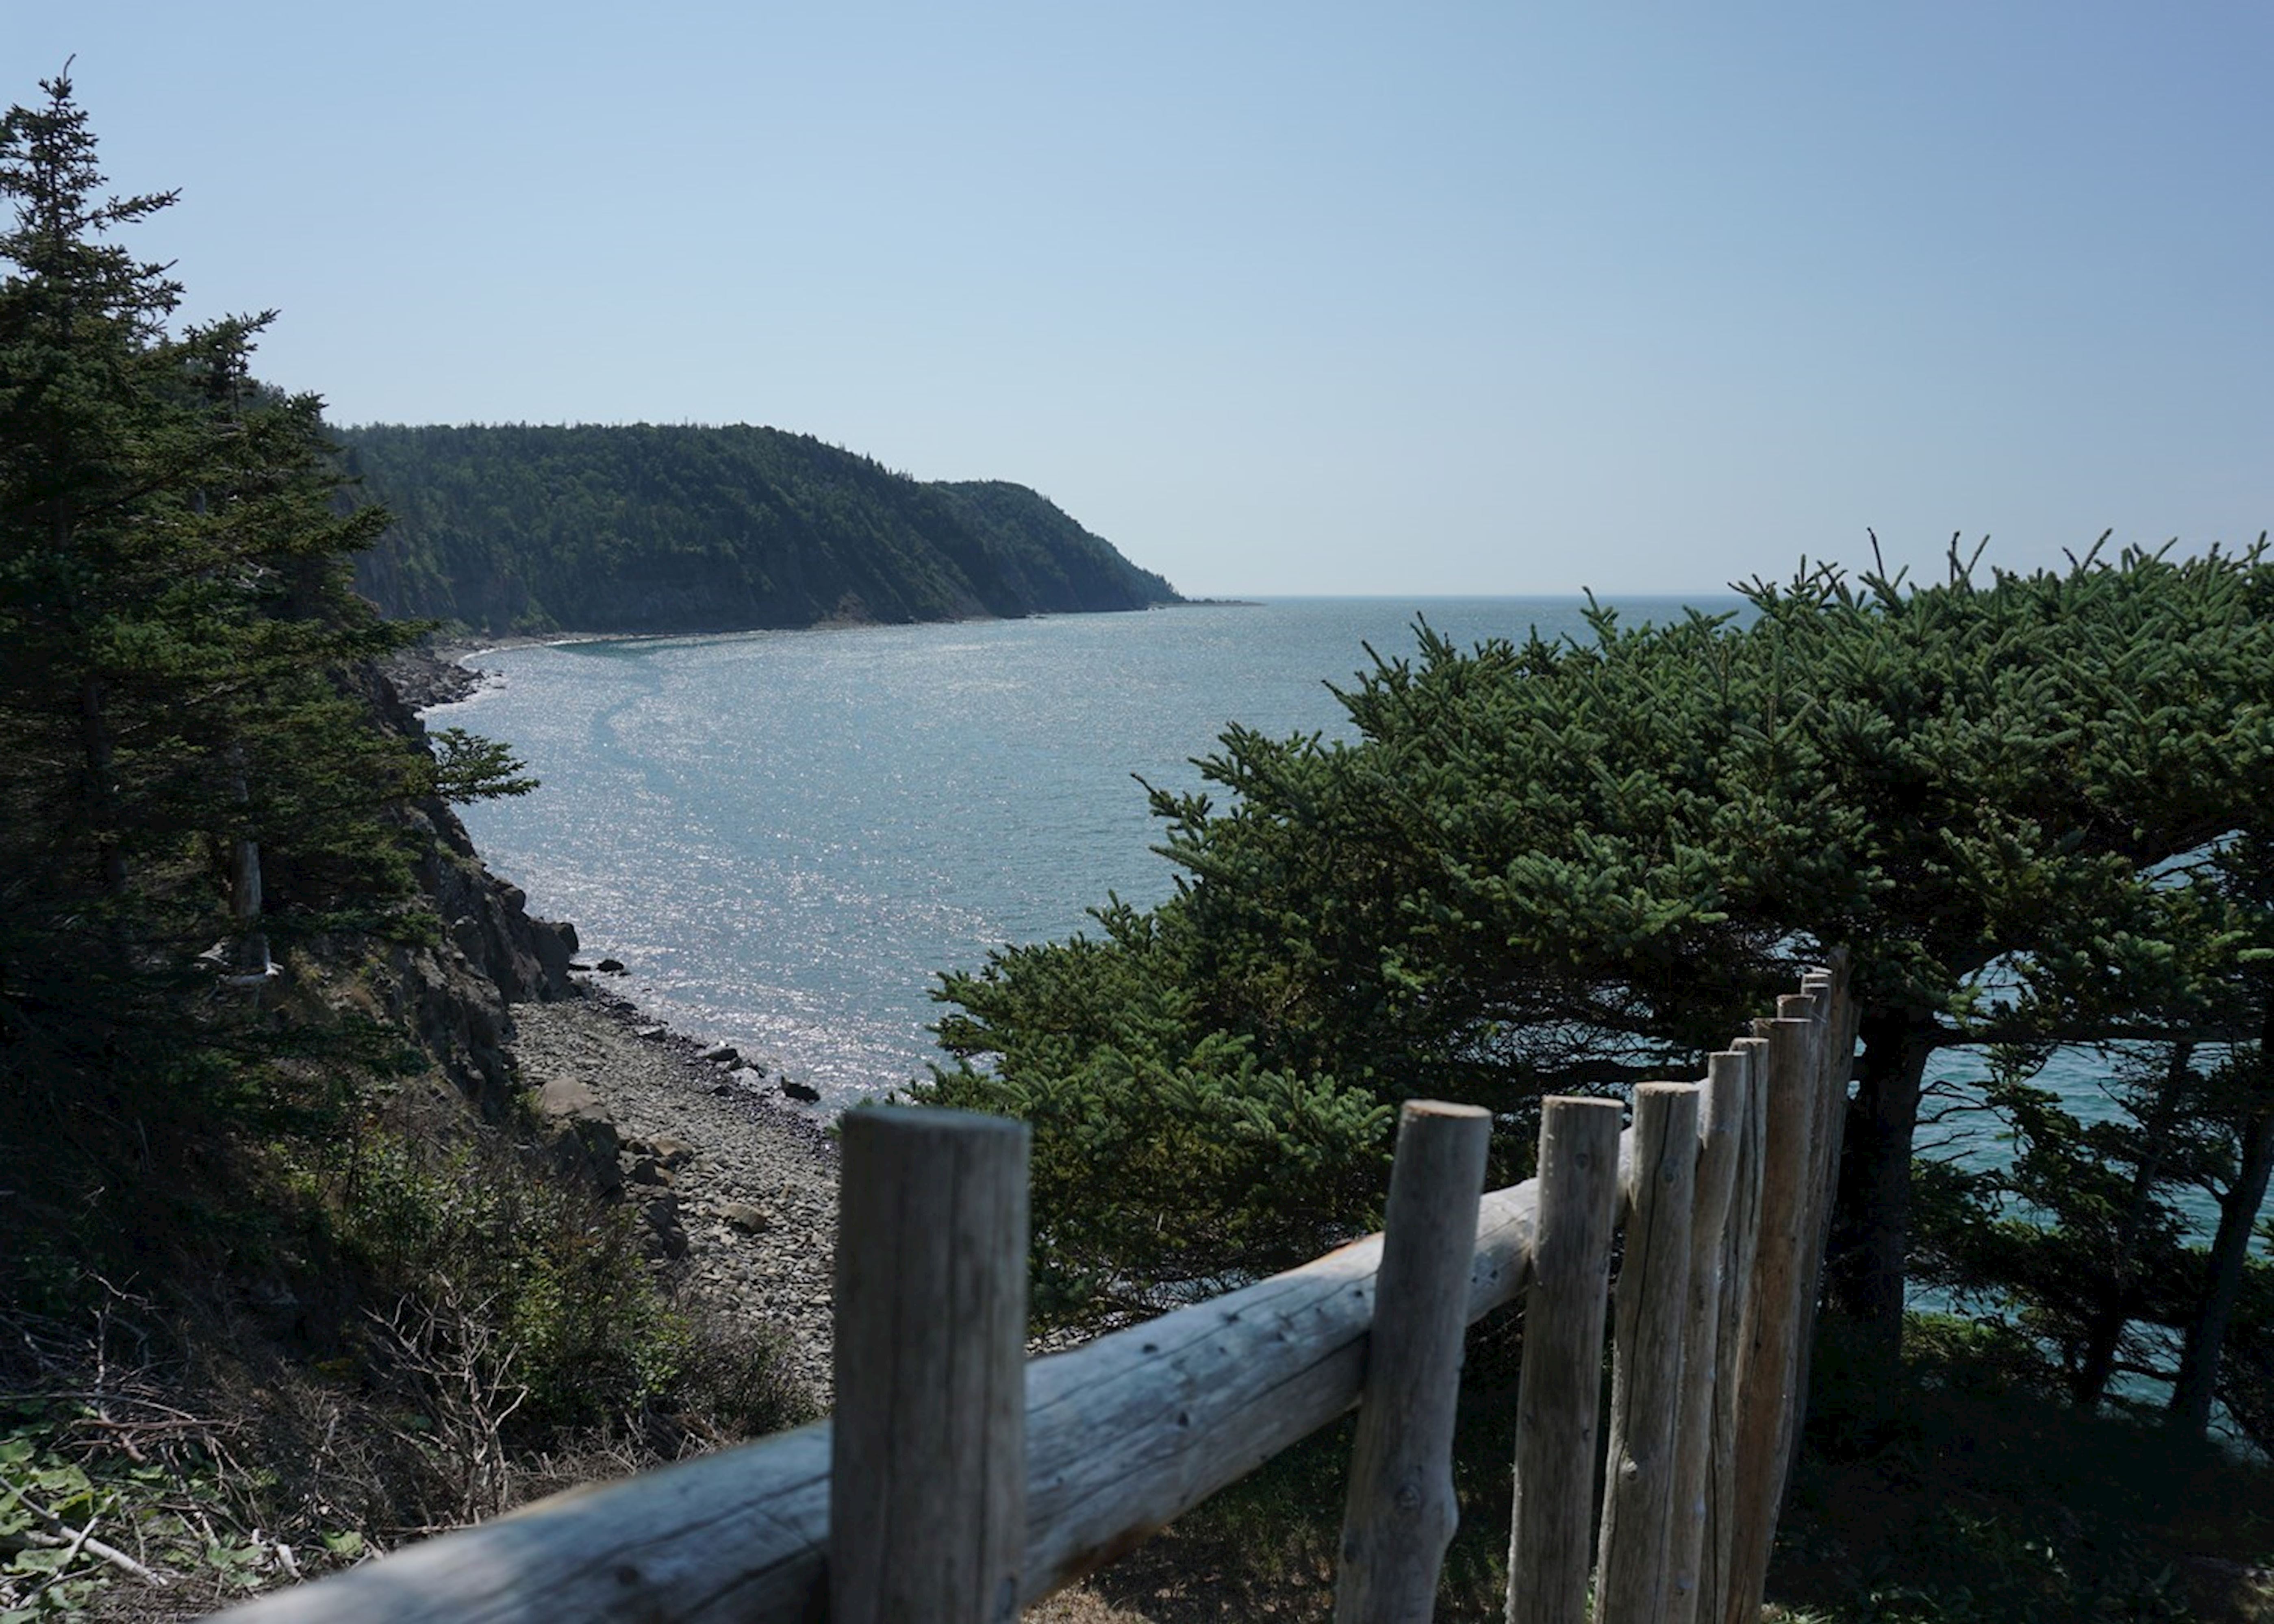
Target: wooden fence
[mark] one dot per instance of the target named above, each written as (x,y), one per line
(968,1481)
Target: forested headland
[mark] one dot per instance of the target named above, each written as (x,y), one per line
(640,527)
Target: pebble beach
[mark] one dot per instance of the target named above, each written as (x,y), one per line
(750,1182)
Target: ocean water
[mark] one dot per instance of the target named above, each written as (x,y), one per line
(787,835)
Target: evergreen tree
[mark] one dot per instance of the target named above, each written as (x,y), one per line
(195,778)
(2084,1239)
(2232,1310)
(1546,867)
(83,432)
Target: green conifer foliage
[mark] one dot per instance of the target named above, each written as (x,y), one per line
(2083,1240)
(191,777)
(1549,865)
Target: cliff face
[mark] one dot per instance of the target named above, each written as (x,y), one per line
(453,995)
(1023,548)
(646,529)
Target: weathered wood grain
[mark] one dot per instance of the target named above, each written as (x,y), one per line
(1559,1387)
(1133,1430)
(1401,1512)
(927,1468)
(1837,1060)
(1651,1311)
(1768,1354)
(1740,1253)
(1724,1108)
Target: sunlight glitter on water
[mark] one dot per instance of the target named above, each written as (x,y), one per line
(787,835)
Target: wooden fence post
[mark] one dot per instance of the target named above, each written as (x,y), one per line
(1401,1512)
(1651,1311)
(1836,1063)
(1559,1387)
(1769,1348)
(1723,1115)
(1740,1259)
(927,1468)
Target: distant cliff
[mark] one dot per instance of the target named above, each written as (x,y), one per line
(648,529)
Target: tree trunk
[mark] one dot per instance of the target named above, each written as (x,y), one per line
(2105,1322)
(2238,1216)
(1872,1237)
(245,899)
(101,786)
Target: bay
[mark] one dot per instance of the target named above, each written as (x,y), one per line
(787,835)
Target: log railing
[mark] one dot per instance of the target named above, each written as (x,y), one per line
(971,1505)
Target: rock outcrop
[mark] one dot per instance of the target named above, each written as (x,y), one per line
(453,995)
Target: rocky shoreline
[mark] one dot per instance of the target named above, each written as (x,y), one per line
(736,1190)
(433,674)
(738,1193)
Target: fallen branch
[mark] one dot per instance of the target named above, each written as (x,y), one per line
(83,1539)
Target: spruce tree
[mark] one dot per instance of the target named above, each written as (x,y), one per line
(195,779)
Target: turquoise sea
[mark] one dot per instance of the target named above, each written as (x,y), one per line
(787,835)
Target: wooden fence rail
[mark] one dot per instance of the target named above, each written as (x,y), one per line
(1724,1189)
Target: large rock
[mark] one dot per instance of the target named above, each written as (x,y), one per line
(453,995)
(747,1216)
(582,1140)
(666,1236)
(565,1097)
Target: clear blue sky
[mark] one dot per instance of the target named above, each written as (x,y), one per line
(1310,298)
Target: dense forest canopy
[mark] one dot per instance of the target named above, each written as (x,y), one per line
(189,761)
(640,527)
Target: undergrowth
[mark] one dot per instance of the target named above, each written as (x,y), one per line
(1961,1483)
(1955,1486)
(402,1325)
